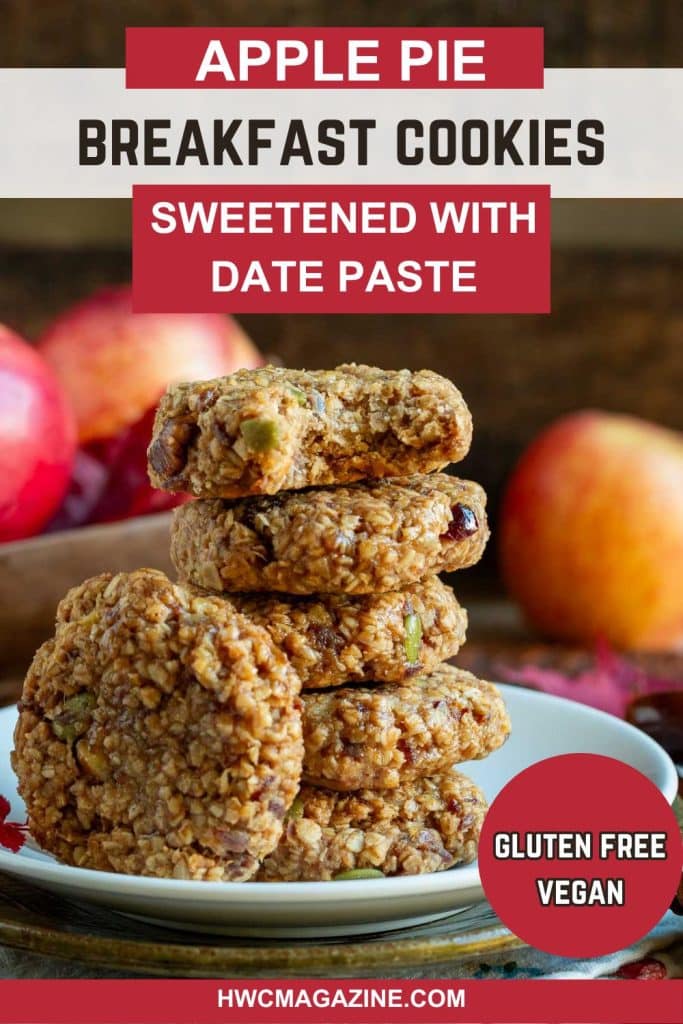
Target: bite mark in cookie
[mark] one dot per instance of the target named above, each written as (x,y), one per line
(273,429)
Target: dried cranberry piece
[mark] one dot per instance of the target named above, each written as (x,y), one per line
(647,969)
(276,808)
(407,751)
(463,523)
(325,639)
(231,841)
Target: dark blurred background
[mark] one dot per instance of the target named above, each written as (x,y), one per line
(615,335)
(578,33)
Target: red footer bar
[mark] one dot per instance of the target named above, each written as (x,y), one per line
(324,1002)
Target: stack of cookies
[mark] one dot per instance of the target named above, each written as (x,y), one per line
(322,515)
(284,712)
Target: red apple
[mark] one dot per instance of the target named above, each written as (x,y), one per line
(114,364)
(591,532)
(37,439)
(109,481)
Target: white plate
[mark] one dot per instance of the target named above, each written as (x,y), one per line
(542,726)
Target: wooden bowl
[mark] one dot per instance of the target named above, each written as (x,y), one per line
(36,573)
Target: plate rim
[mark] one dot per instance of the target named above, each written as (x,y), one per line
(288,957)
(292,892)
(244,961)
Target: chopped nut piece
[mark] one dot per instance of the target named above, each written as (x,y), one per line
(317,401)
(94,761)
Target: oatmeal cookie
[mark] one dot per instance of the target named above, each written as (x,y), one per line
(366,538)
(159,733)
(268,430)
(430,825)
(382,737)
(342,638)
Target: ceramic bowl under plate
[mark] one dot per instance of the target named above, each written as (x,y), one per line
(542,726)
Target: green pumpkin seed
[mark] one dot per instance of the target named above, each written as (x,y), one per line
(296,810)
(350,876)
(74,718)
(298,394)
(412,641)
(260,434)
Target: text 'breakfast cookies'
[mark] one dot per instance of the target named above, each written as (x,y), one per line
(162,730)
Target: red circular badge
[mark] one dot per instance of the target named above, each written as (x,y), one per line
(580,855)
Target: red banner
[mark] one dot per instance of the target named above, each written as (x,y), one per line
(326,1002)
(341,249)
(334,58)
